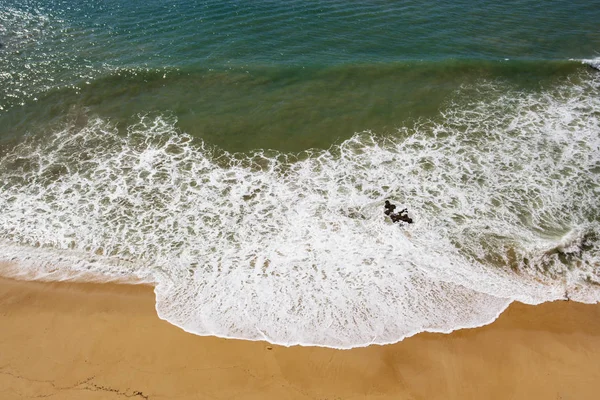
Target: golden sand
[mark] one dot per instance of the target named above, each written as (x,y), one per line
(87,341)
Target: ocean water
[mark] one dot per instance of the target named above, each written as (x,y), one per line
(237,155)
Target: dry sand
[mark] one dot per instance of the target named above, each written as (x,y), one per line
(86,341)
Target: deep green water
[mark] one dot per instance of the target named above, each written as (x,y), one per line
(287,75)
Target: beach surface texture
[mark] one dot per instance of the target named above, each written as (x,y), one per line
(88,341)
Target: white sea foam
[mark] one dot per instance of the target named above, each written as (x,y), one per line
(593,62)
(294,249)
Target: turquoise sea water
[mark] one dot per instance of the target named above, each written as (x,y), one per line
(238,154)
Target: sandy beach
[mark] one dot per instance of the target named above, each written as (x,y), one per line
(105,341)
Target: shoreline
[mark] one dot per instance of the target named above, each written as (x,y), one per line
(104,341)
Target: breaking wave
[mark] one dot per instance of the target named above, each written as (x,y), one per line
(594,63)
(294,248)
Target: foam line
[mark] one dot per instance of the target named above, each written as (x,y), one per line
(295,248)
(594,63)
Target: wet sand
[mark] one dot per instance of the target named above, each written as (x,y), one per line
(105,341)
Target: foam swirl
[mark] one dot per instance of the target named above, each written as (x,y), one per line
(293,248)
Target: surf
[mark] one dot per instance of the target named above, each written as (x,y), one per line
(293,248)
